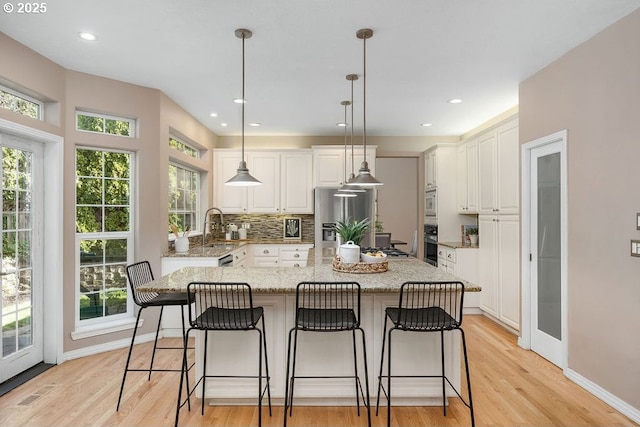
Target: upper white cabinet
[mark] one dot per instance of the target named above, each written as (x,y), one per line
(467,176)
(329,163)
(499,171)
(286,178)
(229,199)
(430,172)
(296,178)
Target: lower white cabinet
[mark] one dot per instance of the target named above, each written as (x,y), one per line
(499,267)
(240,257)
(265,255)
(288,255)
(461,262)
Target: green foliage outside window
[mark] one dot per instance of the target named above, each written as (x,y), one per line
(100,124)
(19,105)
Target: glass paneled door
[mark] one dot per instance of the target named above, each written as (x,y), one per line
(21,270)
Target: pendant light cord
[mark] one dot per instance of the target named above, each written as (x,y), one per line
(243,98)
(364,99)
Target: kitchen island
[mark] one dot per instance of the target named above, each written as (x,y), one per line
(321,354)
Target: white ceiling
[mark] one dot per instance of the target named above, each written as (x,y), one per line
(422,53)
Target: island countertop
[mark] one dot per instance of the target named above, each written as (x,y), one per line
(285,279)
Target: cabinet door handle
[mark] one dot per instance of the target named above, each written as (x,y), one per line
(296,265)
(266,251)
(296,255)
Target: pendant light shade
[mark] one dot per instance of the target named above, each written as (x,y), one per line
(364,177)
(243,178)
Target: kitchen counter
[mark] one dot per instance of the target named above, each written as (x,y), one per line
(457,245)
(285,279)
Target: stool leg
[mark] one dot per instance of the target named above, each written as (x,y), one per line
(384,337)
(259,377)
(184,361)
(126,367)
(366,379)
(182,375)
(444,397)
(389,379)
(466,365)
(355,369)
(286,385)
(266,366)
(155,343)
(293,369)
(204,371)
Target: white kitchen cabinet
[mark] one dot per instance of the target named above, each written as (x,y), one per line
(265,255)
(265,167)
(430,165)
(461,262)
(443,157)
(467,177)
(296,183)
(229,199)
(286,178)
(498,166)
(499,267)
(287,255)
(329,163)
(240,258)
(294,255)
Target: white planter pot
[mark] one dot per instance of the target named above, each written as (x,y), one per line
(350,252)
(182,244)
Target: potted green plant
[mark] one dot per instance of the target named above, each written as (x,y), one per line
(352,230)
(472,233)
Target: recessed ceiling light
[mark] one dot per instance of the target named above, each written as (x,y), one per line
(455,101)
(239,101)
(341,124)
(426,125)
(214,114)
(87,36)
(254,124)
(223,124)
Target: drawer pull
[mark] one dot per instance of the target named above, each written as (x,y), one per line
(266,251)
(296,255)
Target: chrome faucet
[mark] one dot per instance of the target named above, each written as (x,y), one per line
(206,221)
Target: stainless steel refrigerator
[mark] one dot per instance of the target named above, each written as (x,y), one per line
(329,209)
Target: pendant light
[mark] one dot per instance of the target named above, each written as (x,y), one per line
(364,177)
(341,192)
(243,178)
(347,186)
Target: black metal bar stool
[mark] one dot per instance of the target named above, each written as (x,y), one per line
(225,307)
(140,274)
(426,307)
(327,307)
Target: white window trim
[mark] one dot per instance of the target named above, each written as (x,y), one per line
(40,115)
(132,123)
(99,326)
(192,233)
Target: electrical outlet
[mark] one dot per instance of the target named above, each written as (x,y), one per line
(635,248)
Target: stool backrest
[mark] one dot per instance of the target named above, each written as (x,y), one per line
(227,304)
(418,298)
(140,274)
(328,306)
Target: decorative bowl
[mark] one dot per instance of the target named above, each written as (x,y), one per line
(373,257)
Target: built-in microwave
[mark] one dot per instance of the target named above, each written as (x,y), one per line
(430,203)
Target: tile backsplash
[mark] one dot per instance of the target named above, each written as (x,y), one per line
(268,226)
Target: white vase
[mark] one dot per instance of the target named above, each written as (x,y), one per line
(473,238)
(182,244)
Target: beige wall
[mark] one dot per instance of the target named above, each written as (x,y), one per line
(594,92)
(157,117)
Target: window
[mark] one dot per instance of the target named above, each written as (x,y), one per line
(104,238)
(100,123)
(19,103)
(184,197)
(183,147)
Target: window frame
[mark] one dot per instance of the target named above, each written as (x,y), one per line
(195,149)
(133,123)
(24,96)
(195,231)
(105,324)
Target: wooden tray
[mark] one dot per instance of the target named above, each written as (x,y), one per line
(360,267)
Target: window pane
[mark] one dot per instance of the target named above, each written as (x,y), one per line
(88,219)
(88,163)
(116,251)
(91,252)
(89,191)
(24,249)
(25,328)
(19,105)
(116,165)
(116,192)
(117,127)
(116,219)
(116,302)
(90,123)
(91,306)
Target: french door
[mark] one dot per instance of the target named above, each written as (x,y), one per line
(547,298)
(21,167)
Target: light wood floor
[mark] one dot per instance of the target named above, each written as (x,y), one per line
(510,387)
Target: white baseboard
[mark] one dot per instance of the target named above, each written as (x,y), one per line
(101,348)
(602,394)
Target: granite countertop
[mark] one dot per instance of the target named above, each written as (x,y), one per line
(285,279)
(457,245)
(220,248)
